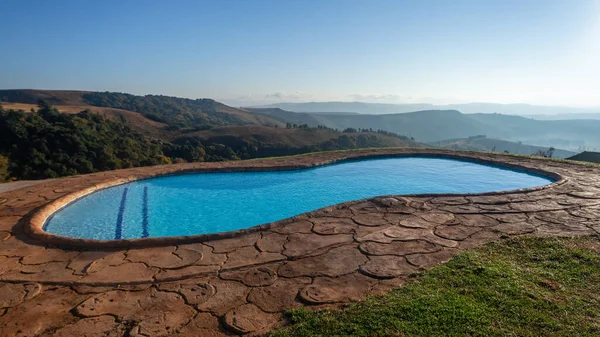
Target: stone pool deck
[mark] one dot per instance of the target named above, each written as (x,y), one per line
(216,286)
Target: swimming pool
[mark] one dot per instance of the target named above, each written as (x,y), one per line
(202,203)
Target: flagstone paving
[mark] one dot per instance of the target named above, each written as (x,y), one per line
(242,284)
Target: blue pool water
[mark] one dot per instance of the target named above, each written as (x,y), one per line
(202,203)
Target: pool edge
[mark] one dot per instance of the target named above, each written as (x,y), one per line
(34,226)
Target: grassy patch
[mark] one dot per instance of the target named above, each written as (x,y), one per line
(519,287)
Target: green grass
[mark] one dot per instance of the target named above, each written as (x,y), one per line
(518,287)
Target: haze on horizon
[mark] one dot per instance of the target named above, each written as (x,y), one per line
(241,52)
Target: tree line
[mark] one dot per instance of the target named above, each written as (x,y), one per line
(45,143)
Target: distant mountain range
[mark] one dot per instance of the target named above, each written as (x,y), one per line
(436,125)
(174,119)
(544,112)
(498,145)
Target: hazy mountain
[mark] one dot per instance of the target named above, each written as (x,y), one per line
(558,117)
(436,125)
(379,108)
(497,145)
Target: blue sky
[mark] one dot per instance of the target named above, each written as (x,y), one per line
(253,51)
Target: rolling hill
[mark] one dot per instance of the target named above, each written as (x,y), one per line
(587,156)
(175,112)
(39,142)
(436,125)
(134,120)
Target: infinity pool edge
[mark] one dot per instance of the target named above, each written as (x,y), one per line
(35,224)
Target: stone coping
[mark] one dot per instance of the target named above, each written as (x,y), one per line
(34,227)
(243,284)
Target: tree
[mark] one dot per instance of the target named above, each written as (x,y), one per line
(3,168)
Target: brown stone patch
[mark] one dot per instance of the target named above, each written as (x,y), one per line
(229,245)
(480,238)
(46,312)
(101,326)
(476,220)
(433,259)
(387,266)
(395,233)
(248,256)
(209,257)
(557,217)
(279,296)
(41,256)
(457,232)
(330,226)
(516,228)
(391,202)
(395,218)
(271,242)
(110,260)
(510,217)
(47,272)
(584,195)
(193,293)
(300,226)
(228,295)
(248,318)
(7,222)
(123,273)
(8,264)
(351,287)
(81,262)
(203,325)
(365,207)
(166,275)
(164,257)
(4,235)
(155,313)
(370,219)
(255,277)
(450,200)
(399,248)
(14,247)
(13,294)
(439,218)
(416,222)
(536,206)
(336,262)
(304,244)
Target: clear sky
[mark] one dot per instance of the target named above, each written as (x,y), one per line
(254,51)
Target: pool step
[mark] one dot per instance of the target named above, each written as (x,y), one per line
(145,213)
(119,226)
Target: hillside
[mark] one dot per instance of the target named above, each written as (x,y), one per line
(496,145)
(134,120)
(175,112)
(47,143)
(437,125)
(587,156)
(295,137)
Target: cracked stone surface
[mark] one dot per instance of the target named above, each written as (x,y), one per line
(243,284)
